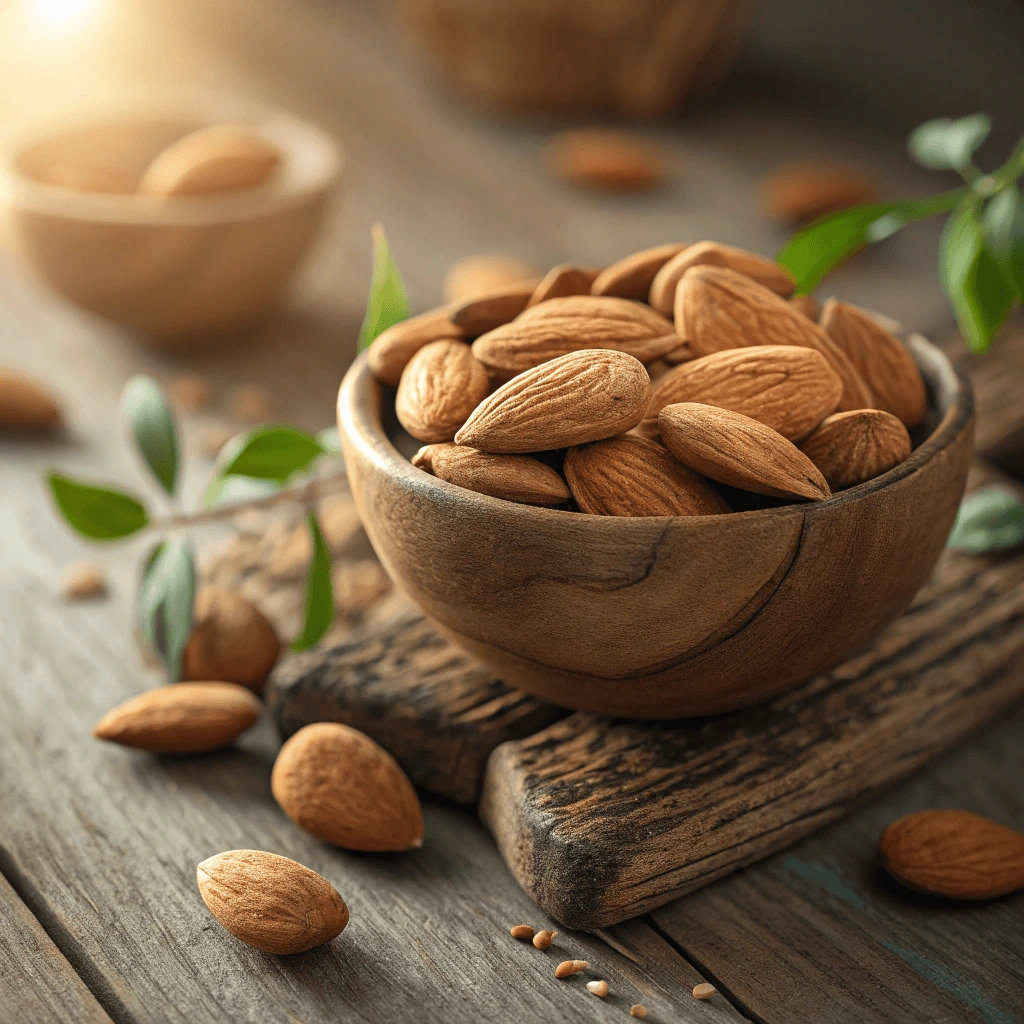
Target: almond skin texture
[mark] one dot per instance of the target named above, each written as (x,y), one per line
(480,275)
(476,316)
(799,192)
(440,387)
(632,476)
(565,279)
(512,477)
(605,160)
(787,388)
(231,640)
(391,351)
(955,854)
(570,324)
(851,447)
(713,254)
(631,277)
(576,398)
(718,309)
(183,718)
(24,405)
(885,364)
(271,902)
(346,789)
(738,451)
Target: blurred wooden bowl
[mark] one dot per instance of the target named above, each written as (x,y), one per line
(168,269)
(667,616)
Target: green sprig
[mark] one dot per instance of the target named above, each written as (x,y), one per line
(387,304)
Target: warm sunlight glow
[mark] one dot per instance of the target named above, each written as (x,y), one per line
(62,14)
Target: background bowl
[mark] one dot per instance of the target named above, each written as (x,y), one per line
(168,269)
(668,616)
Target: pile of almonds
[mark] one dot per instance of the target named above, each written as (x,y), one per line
(682,380)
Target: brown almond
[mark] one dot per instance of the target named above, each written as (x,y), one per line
(271,902)
(474,276)
(440,387)
(344,788)
(799,192)
(570,324)
(605,160)
(579,397)
(787,388)
(512,477)
(565,279)
(522,932)
(882,360)
(24,405)
(543,938)
(808,305)
(955,854)
(391,351)
(739,451)
(231,640)
(183,718)
(565,969)
(718,309)
(479,315)
(681,354)
(631,277)
(713,254)
(83,580)
(851,447)
(632,476)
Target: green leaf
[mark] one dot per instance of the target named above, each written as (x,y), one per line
(143,405)
(270,453)
(813,253)
(947,144)
(318,607)
(387,304)
(1003,231)
(989,520)
(166,598)
(97,512)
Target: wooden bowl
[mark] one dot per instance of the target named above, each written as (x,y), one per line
(639,58)
(668,616)
(167,269)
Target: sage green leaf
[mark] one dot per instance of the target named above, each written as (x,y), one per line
(270,453)
(98,513)
(947,144)
(166,599)
(387,304)
(318,605)
(1003,231)
(991,519)
(144,407)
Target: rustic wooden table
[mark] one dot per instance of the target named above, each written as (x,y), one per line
(100,918)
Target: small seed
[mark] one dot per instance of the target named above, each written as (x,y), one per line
(542,940)
(83,580)
(703,990)
(638,1010)
(521,931)
(599,988)
(565,969)
(579,965)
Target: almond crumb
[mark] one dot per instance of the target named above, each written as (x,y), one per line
(523,932)
(638,1010)
(83,580)
(703,990)
(542,940)
(565,969)
(599,988)
(579,965)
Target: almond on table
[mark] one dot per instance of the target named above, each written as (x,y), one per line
(606,160)
(795,193)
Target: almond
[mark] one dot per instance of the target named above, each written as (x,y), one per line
(682,354)
(565,279)
(391,351)
(570,324)
(231,640)
(82,580)
(718,309)
(479,275)
(798,192)
(851,447)
(271,902)
(739,451)
(24,405)
(955,854)
(632,476)
(344,788)
(512,477)
(808,305)
(886,365)
(440,387)
(479,315)
(607,160)
(221,158)
(714,254)
(787,388)
(579,397)
(631,277)
(183,718)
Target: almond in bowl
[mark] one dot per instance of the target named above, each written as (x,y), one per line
(658,508)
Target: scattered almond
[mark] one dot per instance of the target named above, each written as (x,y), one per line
(479,315)
(189,394)
(566,969)
(24,405)
(391,350)
(231,640)
(703,990)
(544,938)
(474,276)
(565,279)
(83,580)
(955,854)
(344,788)
(579,966)
(606,160)
(183,718)
(638,1010)
(251,404)
(851,447)
(632,476)
(523,932)
(798,192)
(443,383)
(271,902)
(579,397)
(631,278)
(808,305)
(599,988)
(739,451)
